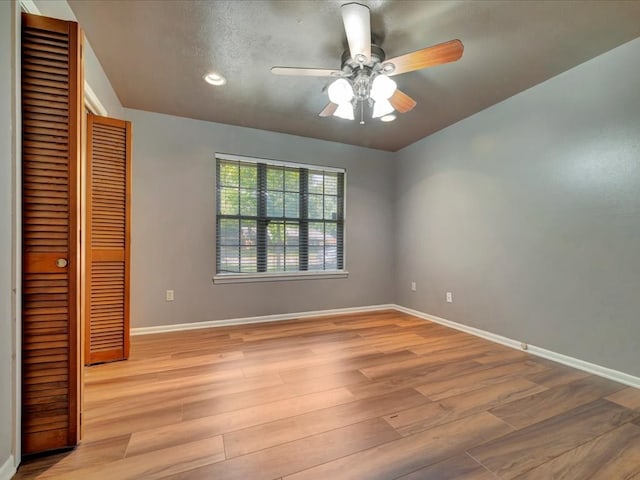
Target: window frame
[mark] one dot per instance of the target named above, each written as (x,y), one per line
(236,277)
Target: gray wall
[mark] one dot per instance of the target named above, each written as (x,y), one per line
(529,212)
(173,223)
(6,224)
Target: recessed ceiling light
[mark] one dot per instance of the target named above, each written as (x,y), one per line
(214,78)
(388,118)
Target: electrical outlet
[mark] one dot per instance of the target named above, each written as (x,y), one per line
(413,286)
(169,296)
(449,297)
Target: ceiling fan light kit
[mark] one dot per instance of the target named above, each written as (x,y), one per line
(364,76)
(371,88)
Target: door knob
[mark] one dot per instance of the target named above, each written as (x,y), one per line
(61,262)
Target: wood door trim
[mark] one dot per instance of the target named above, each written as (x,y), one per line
(76,102)
(127,245)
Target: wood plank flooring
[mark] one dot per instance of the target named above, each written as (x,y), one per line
(369,396)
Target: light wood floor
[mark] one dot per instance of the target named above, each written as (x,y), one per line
(369,396)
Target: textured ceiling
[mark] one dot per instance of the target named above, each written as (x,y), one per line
(156,52)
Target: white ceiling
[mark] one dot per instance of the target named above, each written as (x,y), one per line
(156,52)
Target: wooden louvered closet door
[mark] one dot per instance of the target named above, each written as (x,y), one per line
(107,239)
(52,96)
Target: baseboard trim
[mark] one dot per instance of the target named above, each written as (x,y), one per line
(260,319)
(8,469)
(593,368)
(589,367)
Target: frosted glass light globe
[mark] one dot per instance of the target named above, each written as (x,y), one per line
(382,108)
(344,110)
(340,91)
(382,88)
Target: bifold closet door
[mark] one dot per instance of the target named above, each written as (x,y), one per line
(108,187)
(52,93)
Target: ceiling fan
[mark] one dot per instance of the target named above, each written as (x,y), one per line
(365,73)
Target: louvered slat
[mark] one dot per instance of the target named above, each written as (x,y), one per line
(107,309)
(107,306)
(51,93)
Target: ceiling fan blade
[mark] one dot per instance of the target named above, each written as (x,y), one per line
(402,102)
(427,57)
(357,26)
(329,110)
(306,72)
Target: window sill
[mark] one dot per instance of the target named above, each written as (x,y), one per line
(277,277)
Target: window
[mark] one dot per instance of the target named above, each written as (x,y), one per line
(276,218)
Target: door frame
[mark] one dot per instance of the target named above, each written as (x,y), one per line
(16,301)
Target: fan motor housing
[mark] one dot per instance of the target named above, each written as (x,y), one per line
(377,56)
